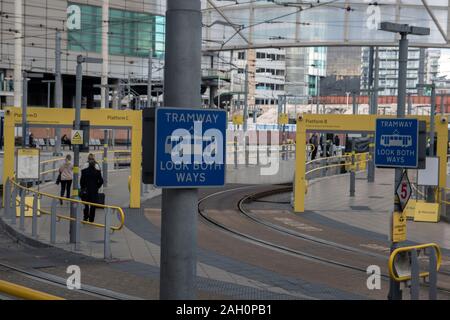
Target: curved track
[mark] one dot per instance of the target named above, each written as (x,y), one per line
(285,240)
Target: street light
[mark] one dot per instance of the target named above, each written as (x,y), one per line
(403,29)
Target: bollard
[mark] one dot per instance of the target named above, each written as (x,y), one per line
(53,222)
(235,152)
(415,277)
(7,203)
(323,164)
(77,226)
(432,293)
(54,171)
(443,203)
(22,210)
(14,206)
(246,151)
(44,175)
(105,165)
(352,176)
(257,148)
(107,240)
(34,216)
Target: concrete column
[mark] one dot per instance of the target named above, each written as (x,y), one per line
(58,90)
(179,206)
(18,50)
(105,55)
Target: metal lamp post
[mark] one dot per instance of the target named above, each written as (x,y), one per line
(395,292)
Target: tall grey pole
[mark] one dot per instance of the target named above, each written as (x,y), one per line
(179,206)
(76,147)
(58,90)
(395,292)
(24,109)
(430,189)
(373,110)
(442,104)
(409,104)
(246,98)
(421,71)
(317,93)
(369,85)
(149,80)
(355,107)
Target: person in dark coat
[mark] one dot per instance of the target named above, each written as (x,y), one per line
(314,141)
(90,183)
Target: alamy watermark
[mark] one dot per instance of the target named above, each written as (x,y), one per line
(73,282)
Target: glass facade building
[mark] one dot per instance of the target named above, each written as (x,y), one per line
(130,33)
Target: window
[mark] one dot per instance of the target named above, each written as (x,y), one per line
(135,33)
(241,55)
(130,33)
(89,37)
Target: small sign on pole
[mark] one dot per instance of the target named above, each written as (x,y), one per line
(77,137)
(404,190)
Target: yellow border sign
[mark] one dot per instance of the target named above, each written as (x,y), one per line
(398,227)
(426,212)
(283,118)
(76,137)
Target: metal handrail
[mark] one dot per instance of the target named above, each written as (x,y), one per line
(409,248)
(40,193)
(22,292)
(52,160)
(335,165)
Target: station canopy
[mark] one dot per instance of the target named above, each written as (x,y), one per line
(244,24)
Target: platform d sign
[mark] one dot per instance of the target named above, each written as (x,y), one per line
(404,190)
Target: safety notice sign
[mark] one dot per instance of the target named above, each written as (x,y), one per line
(77,137)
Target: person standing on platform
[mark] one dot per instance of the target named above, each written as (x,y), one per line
(90,182)
(314,141)
(65,177)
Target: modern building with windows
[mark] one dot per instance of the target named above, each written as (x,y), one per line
(131,32)
(423,66)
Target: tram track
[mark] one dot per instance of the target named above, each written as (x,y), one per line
(59,283)
(241,210)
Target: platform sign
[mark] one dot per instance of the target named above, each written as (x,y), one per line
(190,147)
(28,160)
(396,143)
(76,137)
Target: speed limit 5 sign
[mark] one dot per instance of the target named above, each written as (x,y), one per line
(404,190)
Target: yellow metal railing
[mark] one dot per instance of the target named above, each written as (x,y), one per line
(51,196)
(394,253)
(347,163)
(22,292)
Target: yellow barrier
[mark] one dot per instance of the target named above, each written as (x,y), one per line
(22,292)
(409,248)
(100,225)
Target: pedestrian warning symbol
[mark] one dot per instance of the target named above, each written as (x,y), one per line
(77,137)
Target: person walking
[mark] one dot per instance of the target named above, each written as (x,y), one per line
(90,183)
(65,177)
(90,158)
(314,141)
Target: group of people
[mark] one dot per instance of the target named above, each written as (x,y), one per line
(90,183)
(316,141)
